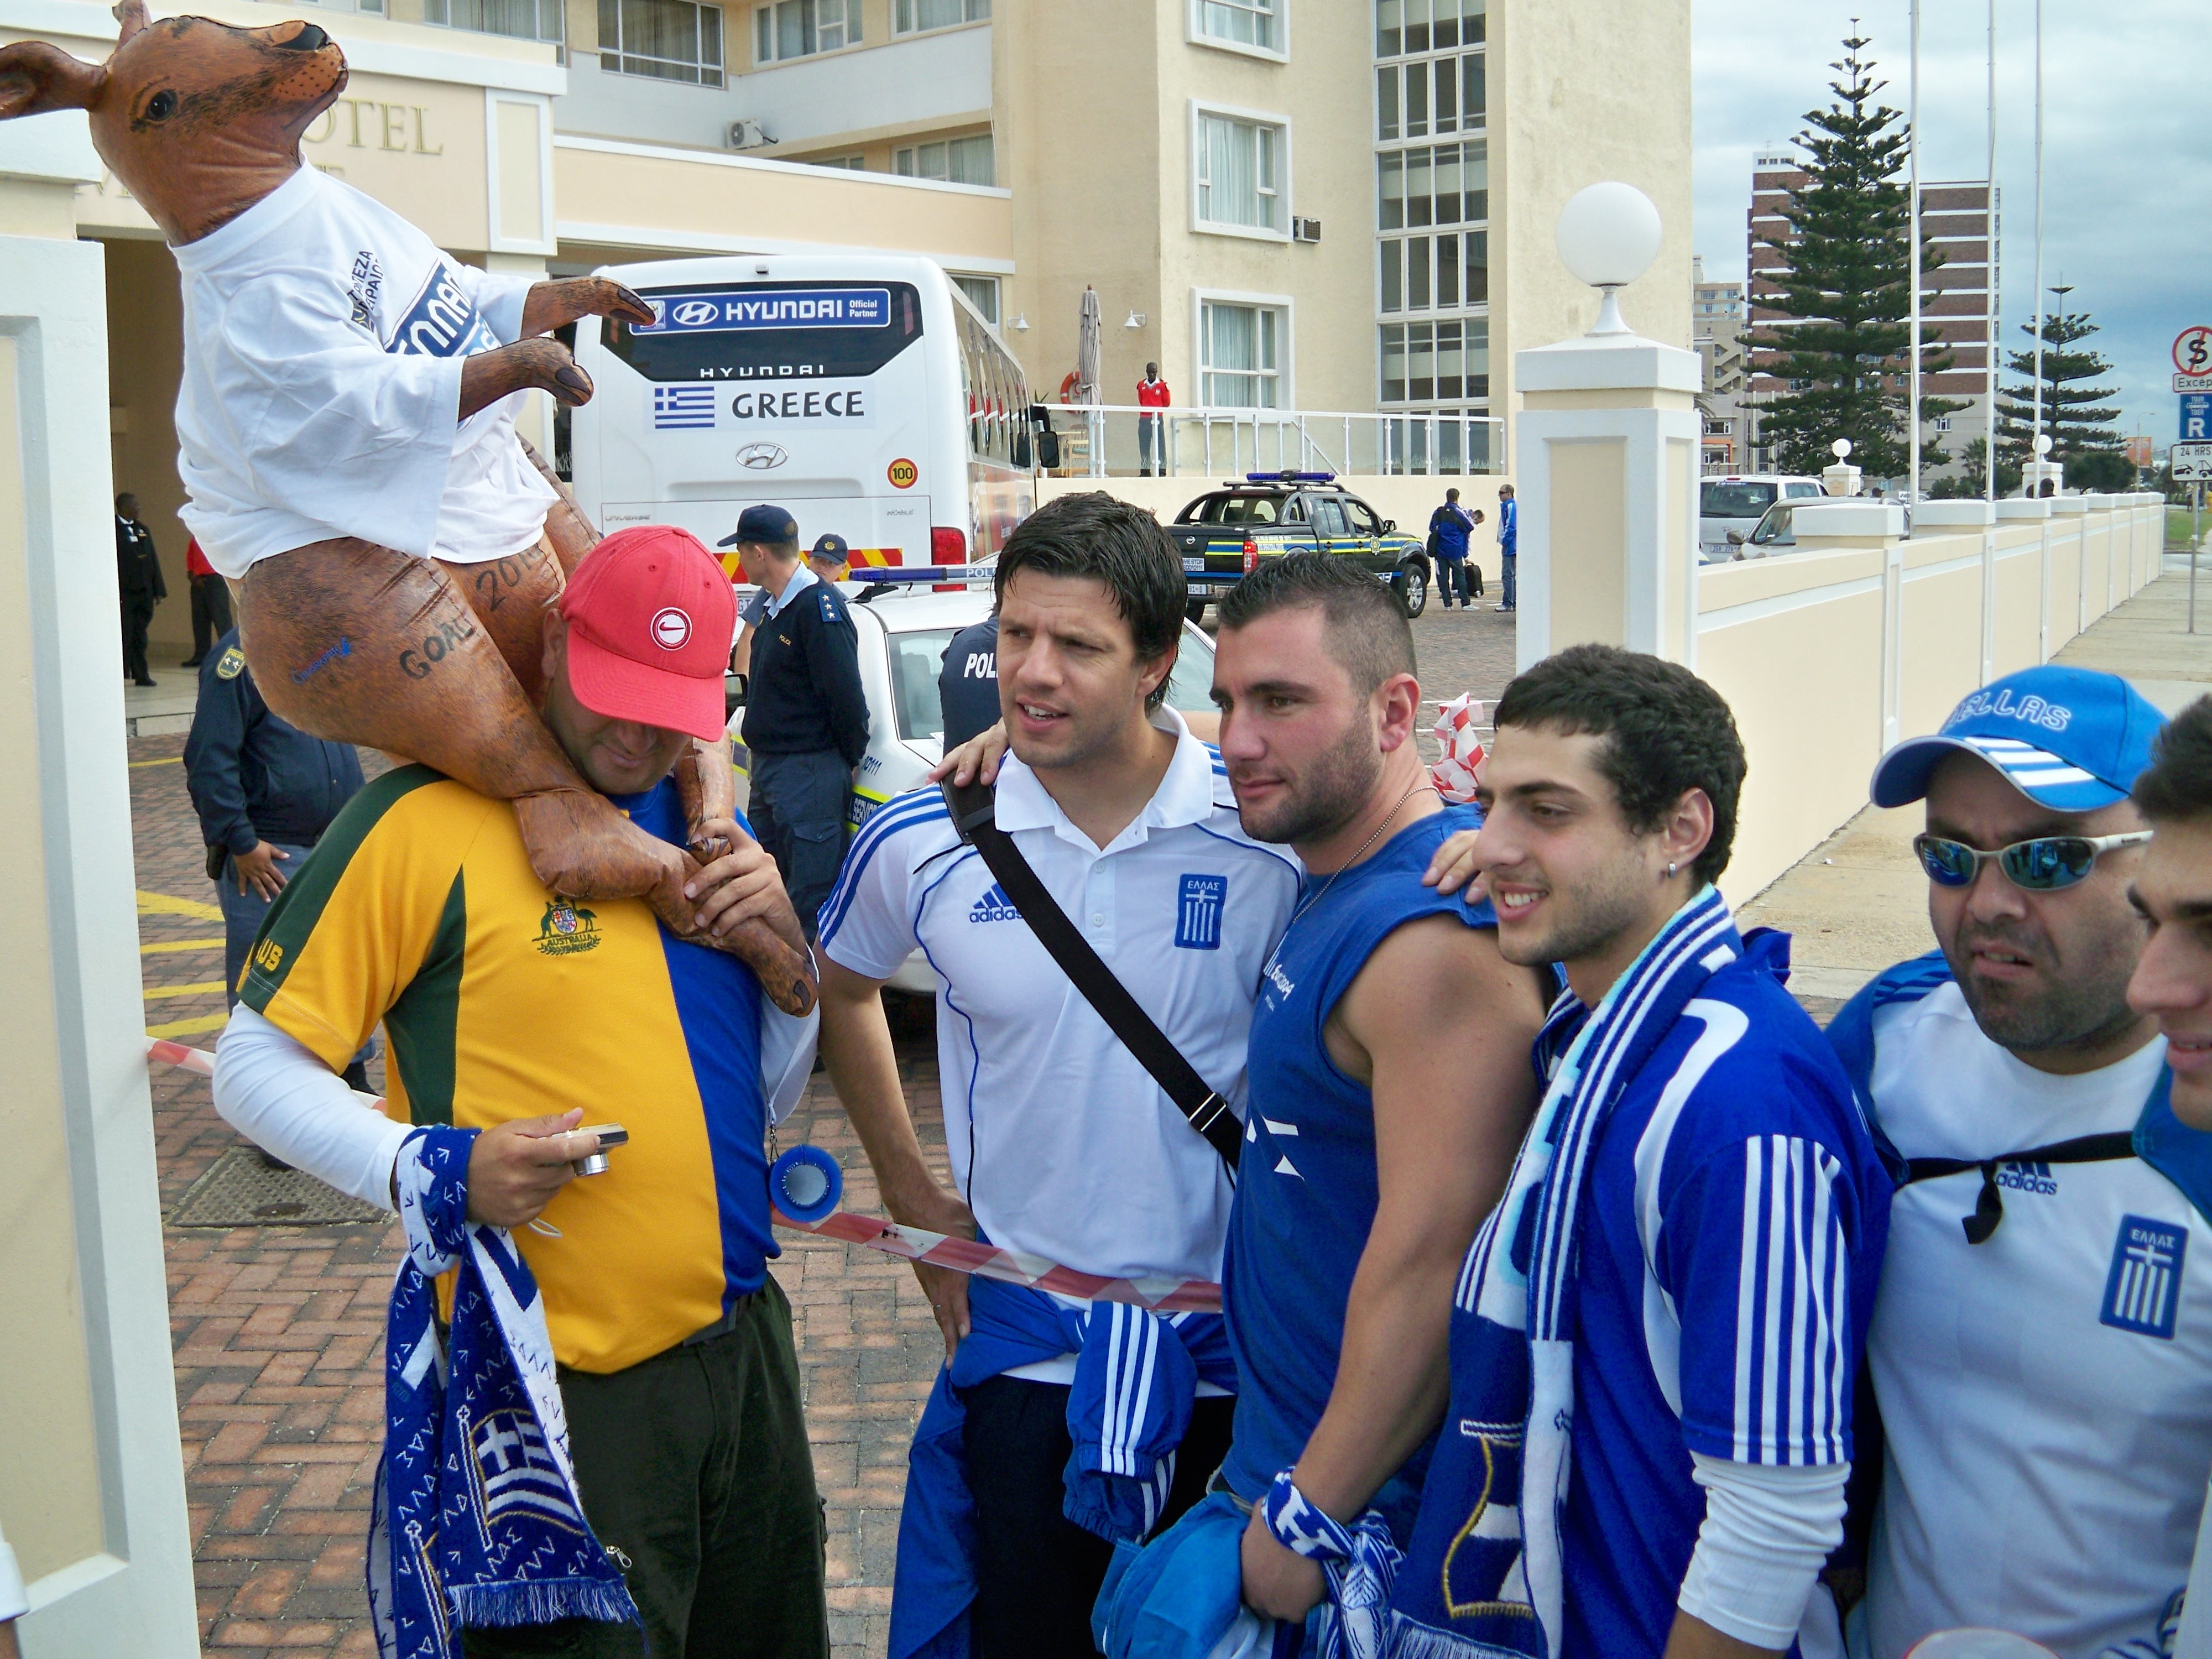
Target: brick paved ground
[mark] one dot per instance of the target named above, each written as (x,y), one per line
(277,1331)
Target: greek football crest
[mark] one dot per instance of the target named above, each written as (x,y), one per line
(1198,912)
(2142,1292)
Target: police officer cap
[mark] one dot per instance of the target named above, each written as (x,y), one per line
(762,524)
(830,546)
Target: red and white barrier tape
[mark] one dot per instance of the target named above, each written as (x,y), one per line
(961,1255)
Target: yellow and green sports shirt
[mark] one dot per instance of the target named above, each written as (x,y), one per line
(418,908)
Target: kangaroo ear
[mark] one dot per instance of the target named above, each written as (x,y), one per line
(36,77)
(133,15)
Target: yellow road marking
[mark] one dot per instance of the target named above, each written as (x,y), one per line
(199,989)
(167,945)
(160,904)
(168,760)
(186,1027)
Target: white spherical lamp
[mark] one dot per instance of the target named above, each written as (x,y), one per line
(1608,235)
(1841,449)
(2042,444)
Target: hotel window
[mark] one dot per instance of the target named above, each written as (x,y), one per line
(848,163)
(1439,97)
(522,20)
(955,160)
(666,39)
(912,16)
(1410,27)
(1438,360)
(982,292)
(799,29)
(1239,174)
(1442,273)
(1255,23)
(1239,355)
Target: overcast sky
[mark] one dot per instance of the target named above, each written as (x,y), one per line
(2127,149)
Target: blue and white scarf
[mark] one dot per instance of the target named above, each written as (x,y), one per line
(477,1521)
(1508,1570)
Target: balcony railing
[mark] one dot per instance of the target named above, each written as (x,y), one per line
(1101,440)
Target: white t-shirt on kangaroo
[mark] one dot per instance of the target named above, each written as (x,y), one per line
(324,336)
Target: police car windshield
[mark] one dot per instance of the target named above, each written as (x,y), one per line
(917,655)
(1720,500)
(1241,509)
(769,331)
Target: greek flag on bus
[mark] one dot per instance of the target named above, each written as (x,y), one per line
(2143,1292)
(679,408)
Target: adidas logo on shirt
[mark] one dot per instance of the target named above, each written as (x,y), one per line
(994,906)
(2027,1178)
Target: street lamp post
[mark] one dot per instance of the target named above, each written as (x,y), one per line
(1912,154)
(1990,267)
(2036,447)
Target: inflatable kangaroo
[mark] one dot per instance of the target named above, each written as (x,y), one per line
(346,437)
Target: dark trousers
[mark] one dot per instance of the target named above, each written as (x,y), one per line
(1036,1572)
(137,614)
(798,808)
(696,1475)
(1510,562)
(210,613)
(1451,577)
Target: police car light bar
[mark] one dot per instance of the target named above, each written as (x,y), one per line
(1290,475)
(927,573)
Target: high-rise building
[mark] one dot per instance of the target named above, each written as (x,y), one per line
(1301,205)
(1717,329)
(1955,302)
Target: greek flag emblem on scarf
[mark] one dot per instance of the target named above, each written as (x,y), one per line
(476,1521)
(1513,1408)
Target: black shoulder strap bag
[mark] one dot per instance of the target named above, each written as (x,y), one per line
(973,814)
(1989,1206)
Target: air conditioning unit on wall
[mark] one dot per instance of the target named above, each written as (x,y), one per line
(749,135)
(1305,230)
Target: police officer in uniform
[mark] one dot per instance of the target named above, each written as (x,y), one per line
(265,791)
(807,720)
(138,575)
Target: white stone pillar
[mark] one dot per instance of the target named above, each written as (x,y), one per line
(1972,513)
(1828,527)
(1607,458)
(92,1487)
(2013,511)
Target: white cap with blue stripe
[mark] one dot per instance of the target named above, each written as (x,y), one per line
(2071,739)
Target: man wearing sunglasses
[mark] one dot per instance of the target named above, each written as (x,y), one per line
(2043,1326)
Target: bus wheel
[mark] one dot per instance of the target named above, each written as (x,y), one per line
(1194,610)
(1411,584)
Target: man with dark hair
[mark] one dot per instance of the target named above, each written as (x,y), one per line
(1654,1334)
(1509,547)
(806,717)
(2172,893)
(138,577)
(1057,1425)
(1390,1084)
(1450,526)
(2045,1326)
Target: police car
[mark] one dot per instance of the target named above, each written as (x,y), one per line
(1224,534)
(903,631)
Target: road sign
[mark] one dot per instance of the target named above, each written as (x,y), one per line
(2192,463)
(2196,416)
(2192,350)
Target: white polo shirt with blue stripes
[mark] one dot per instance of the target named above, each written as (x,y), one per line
(2043,1394)
(1060,1142)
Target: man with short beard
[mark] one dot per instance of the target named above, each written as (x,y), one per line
(2039,1347)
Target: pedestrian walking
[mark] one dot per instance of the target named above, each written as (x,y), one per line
(671,1348)
(1450,526)
(1509,548)
(1151,428)
(806,718)
(265,792)
(138,577)
(211,603)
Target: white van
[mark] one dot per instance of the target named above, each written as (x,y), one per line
(862,392)
(1737,501)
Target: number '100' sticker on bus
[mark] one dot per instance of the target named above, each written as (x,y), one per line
(790,307)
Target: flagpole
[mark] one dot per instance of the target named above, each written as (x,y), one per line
(2034,449)
(1912,152)
(1989,352)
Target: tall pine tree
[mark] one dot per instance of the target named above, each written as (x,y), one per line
(2075,427)
(1849,248)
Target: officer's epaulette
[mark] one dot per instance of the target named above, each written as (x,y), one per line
(828,598)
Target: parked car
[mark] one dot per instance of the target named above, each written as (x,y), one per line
(1737,501)
(903,632)
(1224,534)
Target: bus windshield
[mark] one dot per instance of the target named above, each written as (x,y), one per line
(769,331)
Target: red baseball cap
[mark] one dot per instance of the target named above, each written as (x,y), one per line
(650,617)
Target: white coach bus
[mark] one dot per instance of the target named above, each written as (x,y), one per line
(862,392)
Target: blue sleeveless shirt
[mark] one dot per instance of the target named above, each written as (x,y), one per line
(1306,1182)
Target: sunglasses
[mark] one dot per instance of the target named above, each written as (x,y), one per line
(2043,865)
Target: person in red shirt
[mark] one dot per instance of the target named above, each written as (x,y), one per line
(1151,429)
(210,604)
